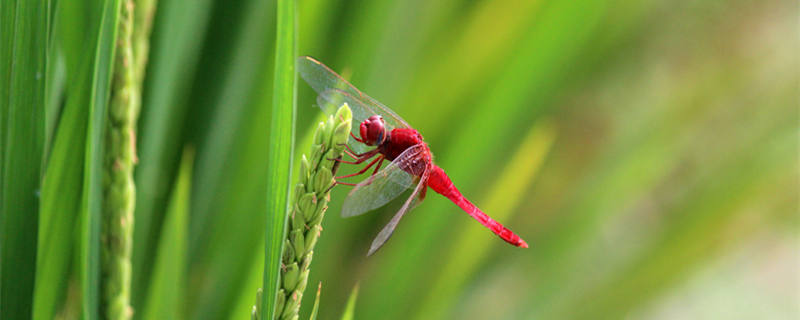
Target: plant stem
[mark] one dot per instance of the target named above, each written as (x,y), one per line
(280,150)
(142,25)
(310,200)
(120,158)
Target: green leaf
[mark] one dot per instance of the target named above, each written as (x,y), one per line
(231,157)
(164,299)
(60,204)
(180,27)
(315,309)
(350,308)
(280,149)
(63,179)
(256,269)
(24,34)
(91,203)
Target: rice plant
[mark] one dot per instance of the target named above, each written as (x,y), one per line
(647,151)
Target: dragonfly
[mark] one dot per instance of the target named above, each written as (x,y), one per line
(385,136)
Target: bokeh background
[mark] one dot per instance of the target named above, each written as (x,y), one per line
(646,150)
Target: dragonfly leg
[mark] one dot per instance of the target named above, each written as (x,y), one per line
(361,157)
(356,138)
(354,155)
(351,154)
(335,183)
(379,166)
(346,147)
(362,170)
(369,181)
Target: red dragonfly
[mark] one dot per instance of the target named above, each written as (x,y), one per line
(386,136)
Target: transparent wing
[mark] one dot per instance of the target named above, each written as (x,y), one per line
(385,185)
(334,90)
(330,101)
(412,201)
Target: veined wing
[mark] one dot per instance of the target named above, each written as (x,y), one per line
(334,87)
(330,101)
(410,203)
(385,185)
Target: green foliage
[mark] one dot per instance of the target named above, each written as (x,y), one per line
(62,185)
(92,195)
(169,277)
(281,148)
(119,192)
(350,307)
(311,197)
(24,38)
(315,309)
(176,44)
(646,150)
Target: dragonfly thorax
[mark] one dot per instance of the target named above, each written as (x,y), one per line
(373,131)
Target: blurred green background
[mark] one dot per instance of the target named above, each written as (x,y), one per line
(646,150)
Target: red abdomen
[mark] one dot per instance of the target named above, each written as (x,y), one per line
(440,182)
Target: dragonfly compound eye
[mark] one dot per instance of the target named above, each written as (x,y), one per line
(372,130)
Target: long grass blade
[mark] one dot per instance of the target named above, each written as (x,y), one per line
(179,29)
(24,34)
(280,150)
(231,157)
(166,293)
(60,205)
(254,278)
(315,309)
(91,204)
(62,186)
(350,307)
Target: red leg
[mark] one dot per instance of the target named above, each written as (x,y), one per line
(335,183)
(379,166)
(347,147)
(353,154)
(362,170)
(363,157)
(347,152)
(354,137)
(376,169)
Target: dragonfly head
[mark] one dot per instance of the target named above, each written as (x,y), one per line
(373,131)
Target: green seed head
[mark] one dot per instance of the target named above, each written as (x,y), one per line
(304,166)
(324,179)
(281,300)
(301,285)
(317,220)
(311,237)
(296,217)
(290,277)
(310,201)
(307,205)
(298,242)
(328,131)
(291,305)
(319,134)
(288,253)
